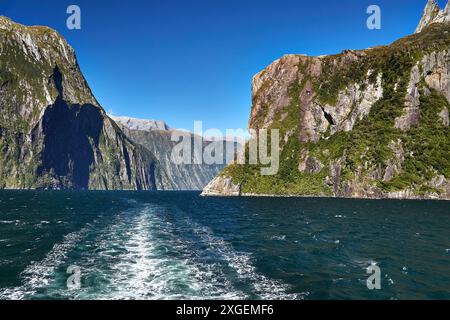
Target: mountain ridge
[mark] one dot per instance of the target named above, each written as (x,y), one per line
(141,124)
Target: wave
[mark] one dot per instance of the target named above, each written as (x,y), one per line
(148,252)
(38,275)
(242,263)
(146,261)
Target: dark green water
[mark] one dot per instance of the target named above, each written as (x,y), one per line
(181,246)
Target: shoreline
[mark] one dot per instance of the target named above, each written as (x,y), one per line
(255,195)
(244,195)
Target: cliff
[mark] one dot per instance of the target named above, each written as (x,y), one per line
(364,124)
(53,132)
(433,14)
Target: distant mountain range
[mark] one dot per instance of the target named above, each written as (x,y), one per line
(156,137)
(361,124)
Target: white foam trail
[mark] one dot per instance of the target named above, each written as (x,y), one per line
(139,256)
(140,273)
(146,269)
(241,262)
(38,275)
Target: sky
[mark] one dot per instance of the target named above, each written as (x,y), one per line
(187,60)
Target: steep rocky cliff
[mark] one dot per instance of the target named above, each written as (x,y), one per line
(53,132)
(156,137)
(433,14)
(370,124)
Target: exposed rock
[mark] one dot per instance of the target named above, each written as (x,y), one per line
(438,181)
(411,112)
(348,104)
(394,165)
(433,14)
(445,117)
(309,164)
(288,134)
(271,88)
(334,179)
(405,194)
(222,186)
(443,15)
(313,121)
(436,71)
(354,104)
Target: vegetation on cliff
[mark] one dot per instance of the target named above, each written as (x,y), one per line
(375,158)
(53,132)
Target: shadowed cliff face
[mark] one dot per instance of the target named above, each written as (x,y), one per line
(70,134)
(69,131)
(53,132)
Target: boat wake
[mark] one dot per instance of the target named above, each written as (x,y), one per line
(39,275)
(148,252)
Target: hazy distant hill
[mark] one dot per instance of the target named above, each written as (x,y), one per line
(156,136)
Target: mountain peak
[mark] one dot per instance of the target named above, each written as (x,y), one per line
(433,14)
(141,124)
(6,23)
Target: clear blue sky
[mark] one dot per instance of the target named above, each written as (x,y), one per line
(188,60)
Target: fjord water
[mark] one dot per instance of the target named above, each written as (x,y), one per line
(178,245)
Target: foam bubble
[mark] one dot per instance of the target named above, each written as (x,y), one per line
(39,274)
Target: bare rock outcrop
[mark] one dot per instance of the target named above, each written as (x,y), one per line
(309,164)
(411,112)
(433,14)
(222,186)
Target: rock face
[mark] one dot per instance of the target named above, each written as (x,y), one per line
(433,14)
(222,186)
(53,132)
(272,96)
(365,124)
(157,139)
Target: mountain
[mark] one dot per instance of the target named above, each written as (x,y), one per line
(53,132)
(141,124)
(433,14)
(156,137)
(364,124)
